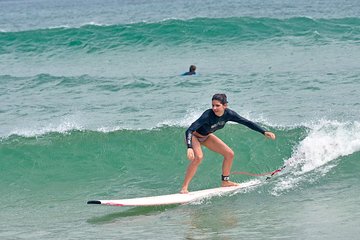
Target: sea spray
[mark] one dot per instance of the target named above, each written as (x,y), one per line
(316,154)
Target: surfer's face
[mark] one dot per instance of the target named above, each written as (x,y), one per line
(218,107)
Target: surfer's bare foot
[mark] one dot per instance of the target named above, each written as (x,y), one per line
(184,191)
(229,184)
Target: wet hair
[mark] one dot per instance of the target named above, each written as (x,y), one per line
(221,97)
(192,68)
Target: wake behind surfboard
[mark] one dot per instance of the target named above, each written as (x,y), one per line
(176,198)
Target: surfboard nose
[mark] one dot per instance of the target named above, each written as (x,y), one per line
(94,202)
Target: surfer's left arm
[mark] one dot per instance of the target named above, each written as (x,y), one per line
(237,118)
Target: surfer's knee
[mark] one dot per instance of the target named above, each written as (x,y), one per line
(198,159)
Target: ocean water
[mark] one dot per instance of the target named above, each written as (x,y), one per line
(93,106)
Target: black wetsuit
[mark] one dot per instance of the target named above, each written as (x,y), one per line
(209,123)
(189,73)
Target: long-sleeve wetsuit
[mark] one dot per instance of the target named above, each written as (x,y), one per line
(209,123)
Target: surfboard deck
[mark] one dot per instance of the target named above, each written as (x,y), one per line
(176,198)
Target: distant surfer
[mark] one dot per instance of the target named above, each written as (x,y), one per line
(201,132)
(192,71)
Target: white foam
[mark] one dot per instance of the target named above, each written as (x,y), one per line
(59,26)
(189,118)
(63,127)
(93,24)
(326,142)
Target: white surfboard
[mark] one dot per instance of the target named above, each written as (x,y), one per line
(176,198)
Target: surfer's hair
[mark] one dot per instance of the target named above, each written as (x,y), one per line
(221,97)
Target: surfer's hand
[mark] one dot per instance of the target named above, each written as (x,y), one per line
(270,135)
(190,154)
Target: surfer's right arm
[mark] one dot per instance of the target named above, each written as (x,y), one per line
(188,137)
(190,154)
(189,133)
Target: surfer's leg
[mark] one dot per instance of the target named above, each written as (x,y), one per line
(217,145)
(193,165)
